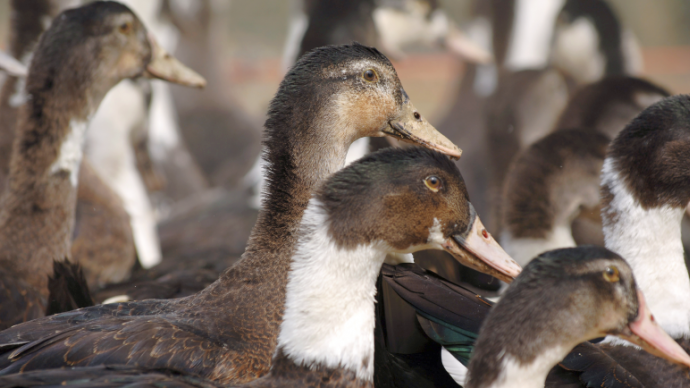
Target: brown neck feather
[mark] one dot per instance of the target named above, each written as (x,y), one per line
(38,205)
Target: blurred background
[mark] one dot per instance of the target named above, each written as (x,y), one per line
(253,35)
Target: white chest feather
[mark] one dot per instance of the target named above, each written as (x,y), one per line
(533,375)
(650,241)
(71,151)
(329,311)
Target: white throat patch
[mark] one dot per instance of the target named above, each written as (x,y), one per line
(532,375)
(71,151)
(650,241)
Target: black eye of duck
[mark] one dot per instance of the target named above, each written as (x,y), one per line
(370,75)
(433,183)
(611,274)
(125,27)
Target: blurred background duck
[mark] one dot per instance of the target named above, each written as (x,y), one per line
(39,203)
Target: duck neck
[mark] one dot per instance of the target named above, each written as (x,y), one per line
(329,311)
(40,197)
(650,240)
(300,155)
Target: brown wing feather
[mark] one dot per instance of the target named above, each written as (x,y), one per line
(19,302)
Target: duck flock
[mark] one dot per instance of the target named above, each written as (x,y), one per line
(148,239)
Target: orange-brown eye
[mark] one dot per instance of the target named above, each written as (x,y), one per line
(125,27)
(433,183)
(370,75)
(611,274)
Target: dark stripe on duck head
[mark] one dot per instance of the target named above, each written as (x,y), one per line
(383,194)
(651,154)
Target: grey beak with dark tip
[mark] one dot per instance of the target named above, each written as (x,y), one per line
(411,127)
(166,67)
(477,249)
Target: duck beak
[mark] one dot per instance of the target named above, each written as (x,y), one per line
(12,66)
(166,67)
(477,249)
(646,333)
(411,127)
(461,45)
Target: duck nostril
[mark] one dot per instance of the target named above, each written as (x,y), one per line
(417,115)
(485,233)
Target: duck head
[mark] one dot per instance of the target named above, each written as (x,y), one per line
(562,298)
(352,91)
(412,199)
(104,42)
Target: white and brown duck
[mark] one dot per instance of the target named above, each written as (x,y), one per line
(65,85)
(562,298)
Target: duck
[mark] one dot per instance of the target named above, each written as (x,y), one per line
(562,170)
(331,97)
(644,197)
(39,201)
(526,334)
(98,208)
(546,188)
(102,222)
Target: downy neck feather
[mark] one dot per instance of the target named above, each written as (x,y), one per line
(329,311)
(650,240)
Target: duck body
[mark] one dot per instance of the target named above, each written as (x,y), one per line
(237,318)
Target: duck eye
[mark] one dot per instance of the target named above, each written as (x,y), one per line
(125,27)
(611,274)
(370,75)
(433,183)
